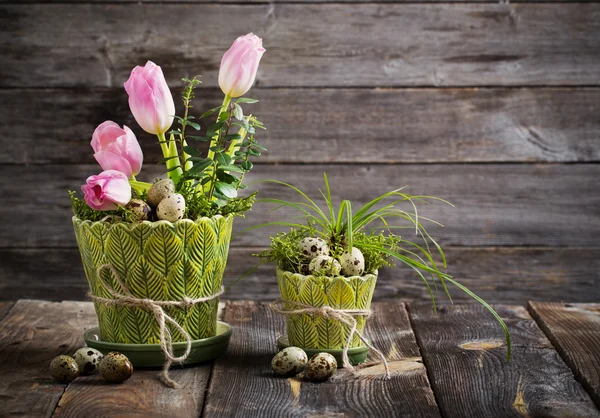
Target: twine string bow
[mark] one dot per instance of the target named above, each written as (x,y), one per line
(126,298)
(346,316)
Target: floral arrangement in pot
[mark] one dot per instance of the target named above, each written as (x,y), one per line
(327,267)
(154,253)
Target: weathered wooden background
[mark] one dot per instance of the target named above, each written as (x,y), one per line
(495,107)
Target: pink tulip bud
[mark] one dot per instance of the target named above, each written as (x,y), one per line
(150,99)
(117,149)
(107,190)
(239,65)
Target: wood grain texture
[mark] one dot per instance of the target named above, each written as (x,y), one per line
(574,329)
(5,307)
(464,351)
(356,125)
(495,205)
(31,335)
(245,373)
(70,45)
(499,275)
(143,395)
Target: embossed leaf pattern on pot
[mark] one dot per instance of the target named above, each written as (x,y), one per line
(311,331)
(160,261)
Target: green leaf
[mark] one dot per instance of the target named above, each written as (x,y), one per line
(245,100)
(254,152)
(222,158)
(231,168)
(226,189)
(194,152)
(340,295)
(210,112)
(247,165)
(226,177)
(199,166)
(198,138)
(238,112)
(194,125)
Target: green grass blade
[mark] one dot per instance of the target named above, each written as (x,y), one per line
(489,308)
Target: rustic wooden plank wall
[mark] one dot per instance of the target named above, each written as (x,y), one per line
(492,106)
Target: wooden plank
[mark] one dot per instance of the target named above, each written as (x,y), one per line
(464,351)
(496,205)
(142,396)
(245,373)
(307,45)
(574,329)
(279,1)
(499,275)
(32,334)
(419,125)
(5,308)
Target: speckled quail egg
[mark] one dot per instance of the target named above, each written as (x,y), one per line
(353,263)
(289,362)
(140,209)
(115,367)
(64,369)
(159,190)
(171,208)
(321,367)
(313,247)
(324,264)
(87,360)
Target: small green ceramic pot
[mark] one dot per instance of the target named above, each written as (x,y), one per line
(316,332)
(160,261)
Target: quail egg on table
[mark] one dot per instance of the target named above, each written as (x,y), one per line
(289,362)
(324,264)
(115,367)
(321,367)
(171,208)
(140,209)
(64,369)
(353,262)
(87,360)
(159,190)
(313,247)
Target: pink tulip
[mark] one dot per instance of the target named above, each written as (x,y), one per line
(107,190)
(150,99)
(239,65)
(117,149)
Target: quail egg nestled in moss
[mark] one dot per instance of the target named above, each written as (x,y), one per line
(313,247)
(64,369)
(140,209)
(87,360)
(159,190)
(289,362)
(115,367)
(171,208)
(324,264)
(321,367)
(353,263)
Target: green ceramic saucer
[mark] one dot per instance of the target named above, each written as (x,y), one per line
(356,355)
(150,355)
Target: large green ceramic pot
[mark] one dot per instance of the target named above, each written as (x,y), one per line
(160,261)
(312,331)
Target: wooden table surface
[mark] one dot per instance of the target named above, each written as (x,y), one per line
(452,364)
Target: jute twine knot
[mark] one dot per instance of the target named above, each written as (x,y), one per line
(156,307)
(346,316)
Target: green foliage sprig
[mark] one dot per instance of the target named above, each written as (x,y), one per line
(81,209)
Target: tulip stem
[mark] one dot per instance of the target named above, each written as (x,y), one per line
(170,150)
(215,142)
(224,107)
(139,186)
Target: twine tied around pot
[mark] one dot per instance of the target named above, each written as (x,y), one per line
(346,316)
(156,307)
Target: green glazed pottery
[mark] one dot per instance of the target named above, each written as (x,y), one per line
(356,355)
(316,332)
(160,261)
(150,355)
